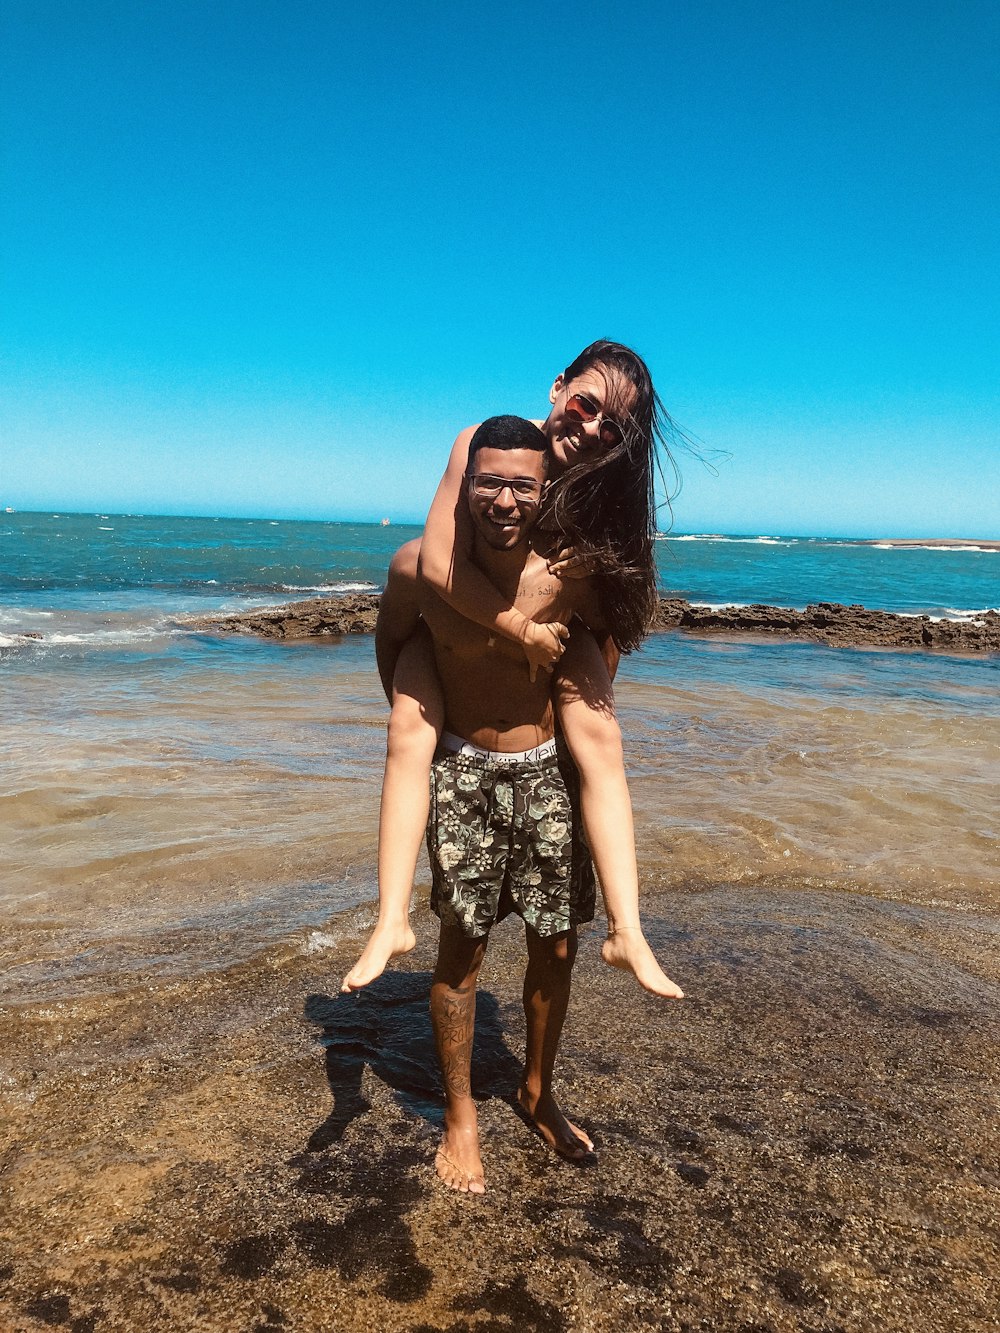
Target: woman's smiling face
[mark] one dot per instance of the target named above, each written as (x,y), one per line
(572,440)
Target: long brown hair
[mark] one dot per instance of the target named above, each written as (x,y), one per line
(605,506)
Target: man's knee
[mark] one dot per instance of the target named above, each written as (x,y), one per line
(557,952)
(459,959)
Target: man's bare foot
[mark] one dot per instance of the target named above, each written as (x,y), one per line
(626,948)
(568,1139)
(386,942)
(458,1162)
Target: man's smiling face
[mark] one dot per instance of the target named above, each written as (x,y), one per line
(504,491)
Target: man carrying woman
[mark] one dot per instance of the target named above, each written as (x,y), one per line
(604,428)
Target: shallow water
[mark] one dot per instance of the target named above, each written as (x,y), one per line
(200,1133)
(176,806)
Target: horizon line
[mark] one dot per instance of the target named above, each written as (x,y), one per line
(668,533)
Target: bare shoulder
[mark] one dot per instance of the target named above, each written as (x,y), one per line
(404,563)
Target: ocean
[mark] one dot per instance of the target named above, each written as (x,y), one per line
(173,802)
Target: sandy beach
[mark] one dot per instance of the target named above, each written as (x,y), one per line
(197,1132)
(263,264)
(808,1141)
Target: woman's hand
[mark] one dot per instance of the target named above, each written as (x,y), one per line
(568,563)
(543,645)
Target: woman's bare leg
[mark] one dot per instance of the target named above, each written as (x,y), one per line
(585,705)
(414,727)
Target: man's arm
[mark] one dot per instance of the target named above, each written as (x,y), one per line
(398,612)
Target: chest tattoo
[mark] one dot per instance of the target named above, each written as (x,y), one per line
(528,590)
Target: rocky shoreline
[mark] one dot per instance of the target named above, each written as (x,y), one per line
(824,622)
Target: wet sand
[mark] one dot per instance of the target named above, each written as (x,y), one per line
(807,1142)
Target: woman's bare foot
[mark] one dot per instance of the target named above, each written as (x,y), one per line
(626,947)
(458,1162)
(386,942)
(568,1139)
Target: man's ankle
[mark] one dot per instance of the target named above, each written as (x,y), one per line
(460,1110)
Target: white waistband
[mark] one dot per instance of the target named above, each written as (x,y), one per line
(455,745)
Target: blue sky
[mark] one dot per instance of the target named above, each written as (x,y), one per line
(268,259)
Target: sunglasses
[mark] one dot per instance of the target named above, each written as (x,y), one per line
(489,487)
(584,409)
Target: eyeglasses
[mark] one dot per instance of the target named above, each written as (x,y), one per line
(489,487)
(584,409)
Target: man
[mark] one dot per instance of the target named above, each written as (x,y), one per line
(501,836)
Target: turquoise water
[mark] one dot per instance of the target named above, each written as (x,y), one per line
(173,800)
(125,563)
(794,571)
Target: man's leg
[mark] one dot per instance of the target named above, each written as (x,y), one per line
(453,1015)
(546,997)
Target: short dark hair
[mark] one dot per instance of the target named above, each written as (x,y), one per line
(507,433)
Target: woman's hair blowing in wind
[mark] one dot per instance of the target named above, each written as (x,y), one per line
(605,506)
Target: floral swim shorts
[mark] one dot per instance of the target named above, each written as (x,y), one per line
(507,837)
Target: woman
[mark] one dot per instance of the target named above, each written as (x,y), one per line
(604,427)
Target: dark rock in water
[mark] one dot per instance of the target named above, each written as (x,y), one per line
(822,622)
(317,617)
(833,623)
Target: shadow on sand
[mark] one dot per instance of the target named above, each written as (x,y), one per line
(387,1027)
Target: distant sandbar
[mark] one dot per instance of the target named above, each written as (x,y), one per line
(985,545)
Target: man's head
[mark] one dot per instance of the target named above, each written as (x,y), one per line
(505,475)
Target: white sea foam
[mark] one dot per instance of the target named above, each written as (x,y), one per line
(80,636)
(718,537)
(318,941)
(106,638)
(917,546)
(955,613)
(9,617)
(329,587)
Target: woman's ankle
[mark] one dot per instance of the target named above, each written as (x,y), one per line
(393,923)
(615,927)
